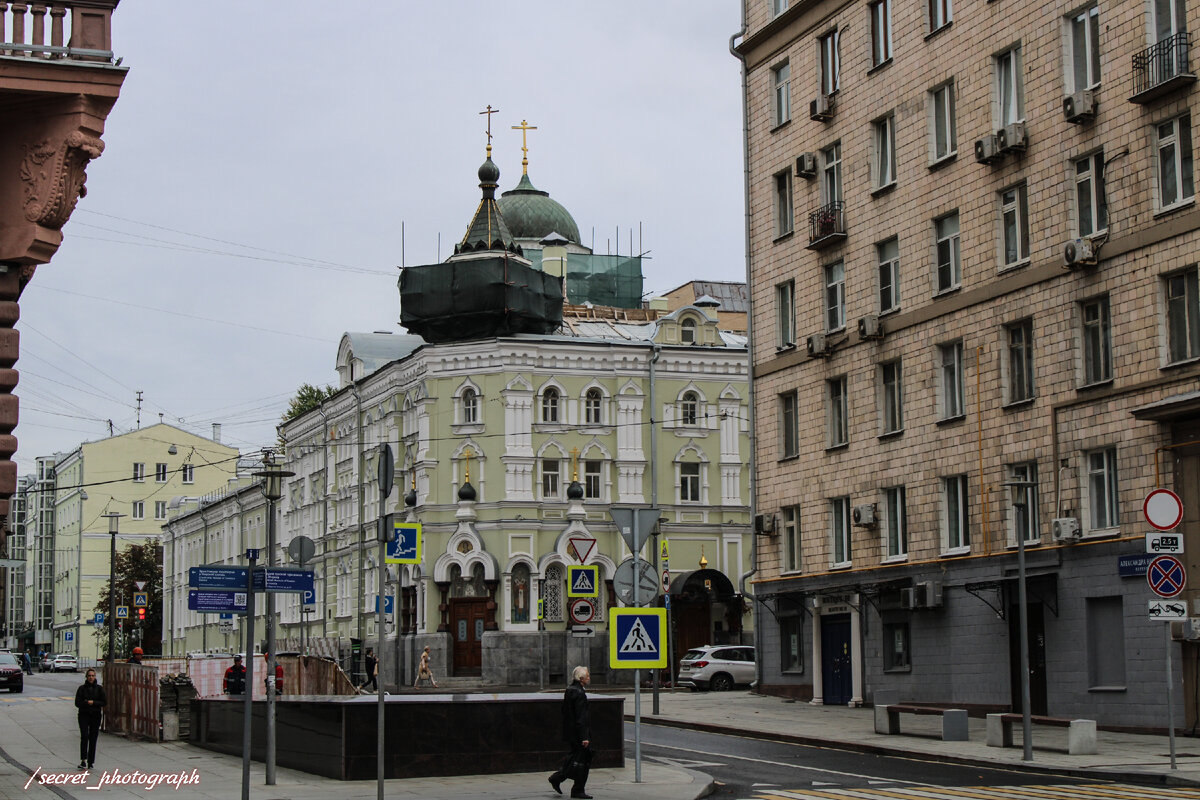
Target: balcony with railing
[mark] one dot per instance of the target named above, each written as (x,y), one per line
(75,30)
(827,225)
(1162,69)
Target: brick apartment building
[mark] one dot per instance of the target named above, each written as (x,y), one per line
(973,262)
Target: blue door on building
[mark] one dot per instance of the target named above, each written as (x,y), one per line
(835,660)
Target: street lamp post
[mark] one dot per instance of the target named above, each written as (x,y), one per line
(272,489)
(1020,497)
(112,518)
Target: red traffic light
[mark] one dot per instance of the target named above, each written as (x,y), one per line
(141,613)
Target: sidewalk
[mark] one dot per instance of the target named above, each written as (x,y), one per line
(38,732)
(1123,756)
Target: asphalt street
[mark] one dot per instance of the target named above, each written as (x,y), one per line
(757,769)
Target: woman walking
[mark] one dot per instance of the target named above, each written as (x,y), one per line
(424,672)
(90,700)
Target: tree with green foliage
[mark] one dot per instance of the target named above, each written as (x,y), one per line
(308,398)
(137,562)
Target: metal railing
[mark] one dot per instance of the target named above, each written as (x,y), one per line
(47,31)
(828,220)
(1160,63)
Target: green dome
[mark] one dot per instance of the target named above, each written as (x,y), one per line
(532,214)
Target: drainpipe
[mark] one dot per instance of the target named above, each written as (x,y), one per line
(758,662)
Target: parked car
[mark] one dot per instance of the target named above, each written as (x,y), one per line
(717,667)
(47,663)
(12,676)
(64,663)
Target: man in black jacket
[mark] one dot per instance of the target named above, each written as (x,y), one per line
(90,700)
(577,733)
(235,677)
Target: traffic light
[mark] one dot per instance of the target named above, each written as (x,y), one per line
(141,614)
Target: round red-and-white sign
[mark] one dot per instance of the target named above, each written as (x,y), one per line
(583,610)
(1163,509)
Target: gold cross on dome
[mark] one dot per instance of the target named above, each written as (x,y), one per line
(467,455)
(575,463)
(524,127)
(489,113)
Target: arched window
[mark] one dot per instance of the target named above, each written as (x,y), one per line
(689,408)
(591,406)
(520,594)
(552,593)
(550,405)
(470,406)
(687,331)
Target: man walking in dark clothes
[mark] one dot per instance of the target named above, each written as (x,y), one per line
(90,700)
(371,665)
(577,733)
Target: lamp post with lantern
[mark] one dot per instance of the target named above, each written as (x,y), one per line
(112,518)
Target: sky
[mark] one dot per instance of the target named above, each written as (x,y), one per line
(269,166)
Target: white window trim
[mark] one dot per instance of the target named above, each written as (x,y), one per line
(785,314)
(1104,326)
(1089,528)
(833,408)
(896,395)
(844,534)
(781,93)
(892,266)
(1026,328)
(1174,141)
(945,413)
(879,59)
(1091,16)
(838,287)
(945,14)
(785,209)
(1020,208)
(962,488)
(829,58)
(945,90)
(889,493)
(795,551)
(883,151)
(1008,63)
(703,483)
(955,245)
(1094,177)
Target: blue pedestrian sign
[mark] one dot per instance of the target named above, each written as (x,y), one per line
(637,638)
(583,581)
(405,545)
(140,599)
(122,612)
(206,601)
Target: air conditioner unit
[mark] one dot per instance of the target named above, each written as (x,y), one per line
(806,165)
(987,149)
(869,327)
(1012,138)
(1079,107)
(908,598)
(1065,529)
(864,515)
(1079,253)
(764,523)
(821,109)
(818,346)
(929,594)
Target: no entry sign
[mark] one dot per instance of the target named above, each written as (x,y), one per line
(1166,576)
(1163,509)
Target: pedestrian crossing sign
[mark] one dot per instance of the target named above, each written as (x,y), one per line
(583,581)
(122,612)
(637,638)
(405,546)
(140,598)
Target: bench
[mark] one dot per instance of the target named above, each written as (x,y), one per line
(1081,733)
(954,720)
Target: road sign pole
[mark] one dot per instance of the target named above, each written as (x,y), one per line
(1170,698)
(637,673)
(386,477)
(248,699)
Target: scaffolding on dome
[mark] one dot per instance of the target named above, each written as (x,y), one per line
(600,280)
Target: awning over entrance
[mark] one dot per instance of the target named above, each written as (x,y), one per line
(1179,406)
(703,581)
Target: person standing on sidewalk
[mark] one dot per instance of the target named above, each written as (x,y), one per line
(577,733)
(26,664)
(90,700)
(235,677)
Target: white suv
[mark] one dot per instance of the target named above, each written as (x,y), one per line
(718,667)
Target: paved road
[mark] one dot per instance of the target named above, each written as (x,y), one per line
(47,684)
(756,769)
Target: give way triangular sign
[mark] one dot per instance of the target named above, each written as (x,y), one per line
(582,547)
(638,640)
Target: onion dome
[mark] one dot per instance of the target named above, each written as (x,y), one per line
(532,214)
(466,492)
(574,491)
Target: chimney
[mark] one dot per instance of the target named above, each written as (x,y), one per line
(216,437)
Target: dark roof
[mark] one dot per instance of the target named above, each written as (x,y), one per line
(532,213)
(730,294)
(487,230)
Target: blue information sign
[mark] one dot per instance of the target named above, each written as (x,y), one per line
(207,601)
(217,577)
(1135,565)
(389,604)
(405,546)
(69,636)
(99,618)
(283,579)
(226,615)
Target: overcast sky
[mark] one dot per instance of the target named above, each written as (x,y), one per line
(263,157)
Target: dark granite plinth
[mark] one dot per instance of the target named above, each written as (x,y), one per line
(425,735)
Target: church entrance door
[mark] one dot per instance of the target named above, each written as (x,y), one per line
(467,621)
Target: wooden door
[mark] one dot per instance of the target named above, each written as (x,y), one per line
(693,628)
(835,660)
(467,622)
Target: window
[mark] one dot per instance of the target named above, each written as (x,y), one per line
(189,473)
(949,265)
(835,297)
(1175,161)
(839,530)
(160,473)
(1097,341)
(955,532)
(1106,643)
(592,405)
(1010,94)
(941,14)
(783,203)
(791,645)
(139,471)
(951,360)
(897,521)
(160,509)
(831,174)
(1083,50)
(791,538)
(689,482)
(689,408)
(785,314)
(593,473)
(944,139)
(881,31)
(789,423)
(551,478)
(1091,208)
(550,405)
(896,657)
(781,80)
(1020,360)
(883,171)
(1014,225)
(1102,488)
(139,510)
(836,411)
(1170,18)
(888,255)
(778,7)
(830,62)
(891,389)
(470,406)
(687,331)
(1183,316)
(1025,509)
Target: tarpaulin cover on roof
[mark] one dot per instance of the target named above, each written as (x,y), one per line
(478,299)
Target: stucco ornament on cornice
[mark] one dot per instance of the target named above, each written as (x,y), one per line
(54,177)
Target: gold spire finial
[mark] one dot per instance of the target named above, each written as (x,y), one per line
(703,560)
(575,464)
(467,455)
(523,128)
(489,113)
